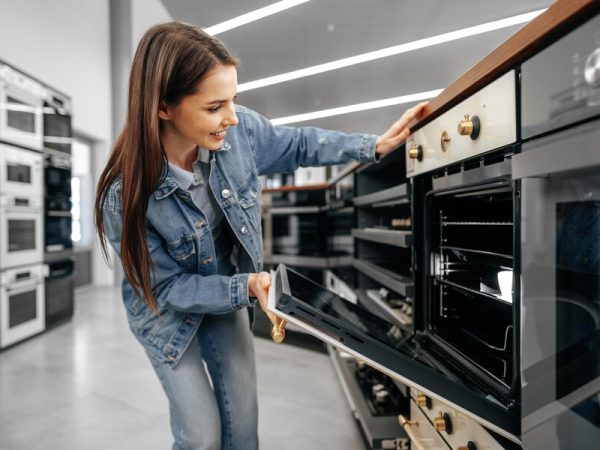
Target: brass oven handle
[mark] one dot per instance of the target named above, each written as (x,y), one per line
(407,425)
(278,331)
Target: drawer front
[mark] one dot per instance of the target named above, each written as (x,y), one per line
(492,113)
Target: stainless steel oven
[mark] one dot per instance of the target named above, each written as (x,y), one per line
(21,304)
(559,172)
(20,108)
(57,203)
(21,171)
(60,283)
(58,133)
(21,230)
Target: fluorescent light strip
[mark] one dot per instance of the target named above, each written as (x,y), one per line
(252,16)
(357,107)
(390,51)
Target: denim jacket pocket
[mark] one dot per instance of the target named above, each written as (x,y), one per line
(183,251)
(248,198)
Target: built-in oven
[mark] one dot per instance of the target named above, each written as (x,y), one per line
(21,303)
(21,171)
(559,172)
(57,202)
(21,230)
(60,284)
(20,108)
(58,133)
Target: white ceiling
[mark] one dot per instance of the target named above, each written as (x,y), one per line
(325,30)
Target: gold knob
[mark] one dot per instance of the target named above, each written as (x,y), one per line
(416,152)
(465,126)
(445,140)
(470,446)
(278,331)
(423,401)
(443,423)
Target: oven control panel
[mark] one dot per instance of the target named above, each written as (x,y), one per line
(483,122)
(448,424)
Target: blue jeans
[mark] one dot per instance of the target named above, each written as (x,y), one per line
(219,412)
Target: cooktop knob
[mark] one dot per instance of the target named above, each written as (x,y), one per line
(445,140)
(470,446)
(443,423)
(416,152)
(469,127)
(423,401)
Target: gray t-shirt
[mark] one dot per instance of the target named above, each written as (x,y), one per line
(196,183)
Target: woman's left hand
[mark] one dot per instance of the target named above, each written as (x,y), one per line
(399,131)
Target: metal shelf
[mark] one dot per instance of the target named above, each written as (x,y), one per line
(397,238)
(281,210)
(382,309)
(397,283)
(386,197)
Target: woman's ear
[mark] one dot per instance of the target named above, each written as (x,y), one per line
(164,112)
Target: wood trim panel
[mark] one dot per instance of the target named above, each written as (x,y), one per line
(558,20)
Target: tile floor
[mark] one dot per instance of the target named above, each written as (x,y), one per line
(87,385)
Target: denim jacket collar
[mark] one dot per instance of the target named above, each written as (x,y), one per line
(170,185)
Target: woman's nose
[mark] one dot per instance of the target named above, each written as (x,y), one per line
(231,119)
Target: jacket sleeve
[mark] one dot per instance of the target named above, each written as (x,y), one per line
(173,286)
(283,149)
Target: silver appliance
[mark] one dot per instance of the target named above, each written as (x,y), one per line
(21,230)
(21,171)
(20,108)
(58,132)
(21,303)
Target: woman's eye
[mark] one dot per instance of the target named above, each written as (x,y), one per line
(215,109)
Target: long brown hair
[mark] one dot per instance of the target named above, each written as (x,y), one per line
(169,63)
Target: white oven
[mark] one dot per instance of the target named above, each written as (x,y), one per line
(21,171)
(21,119)
(21,303)
(21,230)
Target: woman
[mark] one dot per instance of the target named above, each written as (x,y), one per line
(179,202)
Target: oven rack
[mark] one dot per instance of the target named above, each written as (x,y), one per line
(397,238)
(477,223)
(479,252)
(396,195)
(471,290)
(391,280)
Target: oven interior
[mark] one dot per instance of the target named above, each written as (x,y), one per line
(471,281)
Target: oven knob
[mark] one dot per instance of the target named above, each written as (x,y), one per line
(470,446)
(469,127)
(443,423)
(416,152)
(445,141)
(591,72)
(423,401)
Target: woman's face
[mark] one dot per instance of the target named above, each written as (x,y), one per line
(203,118)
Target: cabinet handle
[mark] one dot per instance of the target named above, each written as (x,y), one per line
(407,425)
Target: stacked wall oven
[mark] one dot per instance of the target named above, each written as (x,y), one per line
(21,208)
(58,249)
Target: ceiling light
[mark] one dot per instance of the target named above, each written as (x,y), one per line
(390,51)
(357,107)
(257,14)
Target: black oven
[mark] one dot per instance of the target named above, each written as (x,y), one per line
(60,285)
(57,199)
(58,133)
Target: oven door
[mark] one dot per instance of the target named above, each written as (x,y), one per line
(20,116)
(560,292)
(58,134)
(404,357)
(21,171)
(60,284)
(21,233)
(58,226)
(21,304)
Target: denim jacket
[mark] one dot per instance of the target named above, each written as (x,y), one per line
(184,279)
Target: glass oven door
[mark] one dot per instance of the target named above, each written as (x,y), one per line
(21,232)
(21,171)
(21,304)
(406,357)
(58,134)
(21,115)
(560,291)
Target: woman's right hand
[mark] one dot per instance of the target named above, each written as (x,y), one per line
(258,286)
